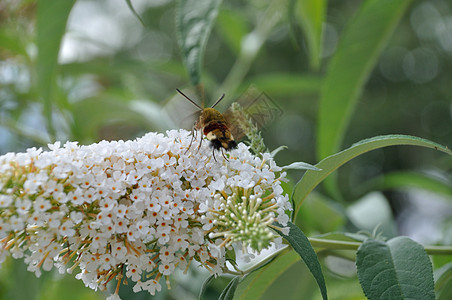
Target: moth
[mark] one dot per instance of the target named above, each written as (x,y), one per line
(223,130)
(214,126)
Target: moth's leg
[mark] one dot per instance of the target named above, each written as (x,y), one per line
(222,152)
(193,133)
(200,143)
(213,154)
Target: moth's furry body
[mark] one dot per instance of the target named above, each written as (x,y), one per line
(214,126)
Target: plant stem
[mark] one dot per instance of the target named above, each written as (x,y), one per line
(261,263)
(337,245)
(334,244)
(29,133)
(343,245)
(438,250)
(250,46)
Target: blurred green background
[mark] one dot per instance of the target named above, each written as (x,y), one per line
(89,70)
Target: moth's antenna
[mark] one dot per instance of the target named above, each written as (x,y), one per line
(222,96)
(186,97)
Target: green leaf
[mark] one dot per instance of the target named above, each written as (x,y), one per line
(302,246)
(286,83)
(398,269)
(311,15)
(400,180)
(446,293)
(312,178)
(90,115)
(65,287)
(232,27)
(204,285)
(373,213)
(51,19)
(134,12)
(320,214)
(342,236)
(228,292)
(29,132)
(359,47)
(299,165)
(277,150)
(194,21)
(256,285)
(443,276)
(12,43)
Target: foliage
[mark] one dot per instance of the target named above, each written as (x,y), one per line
(342,71)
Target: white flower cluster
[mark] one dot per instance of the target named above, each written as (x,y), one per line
(138,208)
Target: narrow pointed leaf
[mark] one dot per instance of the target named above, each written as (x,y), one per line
(257,284)
(302,246)
(204,286)
(360,45)
(194,22)
(51,19)
(301,166)
(228,292)
(398,269)
(134,12)
(312,178)
(406,180)
(443,276)
(286,83)
(311,14)
(277,150)
(232,26)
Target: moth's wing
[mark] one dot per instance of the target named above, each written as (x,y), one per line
(181,112)
(260,107)
(257,106)
(233,124)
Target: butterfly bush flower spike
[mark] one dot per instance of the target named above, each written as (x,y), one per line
(136,209)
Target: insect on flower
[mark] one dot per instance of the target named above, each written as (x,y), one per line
(214,126)
(250,112)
